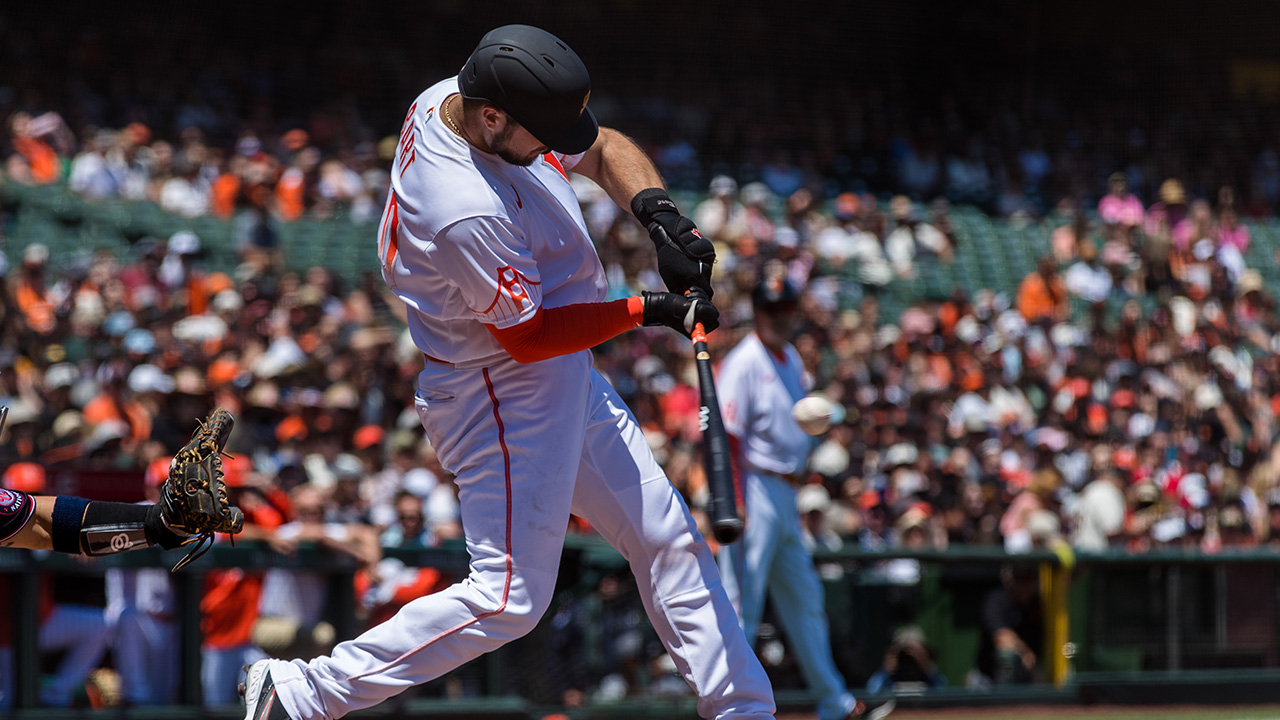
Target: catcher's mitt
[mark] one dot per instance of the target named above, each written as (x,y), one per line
(194,498)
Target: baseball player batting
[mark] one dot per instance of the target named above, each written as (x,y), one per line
(483,239)
(760,380)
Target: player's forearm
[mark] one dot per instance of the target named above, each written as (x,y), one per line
(619,166)
(35,534)
(553,332)
(81,527)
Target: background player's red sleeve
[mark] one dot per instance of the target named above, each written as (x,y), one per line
(552,332)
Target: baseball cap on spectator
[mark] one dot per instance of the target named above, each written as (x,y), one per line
(27,477)
(846,206)
(368,436)
(1250,281)
(786,237)
(222,371)
(200,328)
(118,323)
(913,519)
(420,482)
(829,459)
(295,139)
(870,499)
(1043,525)
(184,242)
(69,423)
(347,466)
(291,428)
(722,186)
(248,146)
(216,282)
(812,497)
(227,301)
(341,396)
(21,413)
(756,194)
(900,454)
(139,341)
(35,254)
(403,440)
(104,433)
(60,375)
(149,378)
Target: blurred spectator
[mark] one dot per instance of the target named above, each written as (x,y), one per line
(1119,206)
(908,665)
(1043,295)
(912,241)
(290,621)
(1100,513)
(410,528)
(1013,629)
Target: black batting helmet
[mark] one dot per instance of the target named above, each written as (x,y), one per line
(774,293)
(536,79)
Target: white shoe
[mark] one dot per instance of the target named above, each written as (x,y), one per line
(259,693)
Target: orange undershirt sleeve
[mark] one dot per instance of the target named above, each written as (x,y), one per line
(553,332)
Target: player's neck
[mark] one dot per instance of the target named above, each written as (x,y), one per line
(456,120)
(776,346)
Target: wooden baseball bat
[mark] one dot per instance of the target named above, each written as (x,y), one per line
(723,507)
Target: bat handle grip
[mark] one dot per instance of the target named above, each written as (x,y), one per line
(699,333)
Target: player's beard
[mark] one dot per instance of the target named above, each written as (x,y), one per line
(501,146)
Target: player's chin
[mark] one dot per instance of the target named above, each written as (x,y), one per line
(517,160)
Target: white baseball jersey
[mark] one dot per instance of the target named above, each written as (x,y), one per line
(467,240)
(509,240)
(757,390)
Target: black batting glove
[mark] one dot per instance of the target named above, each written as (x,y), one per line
(684,256)
(679,312)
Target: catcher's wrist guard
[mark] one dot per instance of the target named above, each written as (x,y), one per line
(81,527)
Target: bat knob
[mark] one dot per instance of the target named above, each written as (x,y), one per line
(727,532)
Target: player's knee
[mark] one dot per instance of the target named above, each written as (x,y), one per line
(527,601)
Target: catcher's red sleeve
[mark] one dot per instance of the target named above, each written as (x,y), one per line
(553,332)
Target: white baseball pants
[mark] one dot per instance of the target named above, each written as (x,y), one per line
(530,444)
(772,559)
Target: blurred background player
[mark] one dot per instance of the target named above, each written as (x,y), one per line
(760,381)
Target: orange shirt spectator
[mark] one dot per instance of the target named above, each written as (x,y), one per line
(290,194)
(224,191)
(45,167)
(106,408)
(1043,295)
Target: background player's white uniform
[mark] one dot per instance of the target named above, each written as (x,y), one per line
(469,239)
(757,390)
(140,606)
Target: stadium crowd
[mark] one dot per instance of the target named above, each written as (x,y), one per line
(1123,399)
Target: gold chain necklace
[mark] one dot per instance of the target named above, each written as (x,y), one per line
(449,118)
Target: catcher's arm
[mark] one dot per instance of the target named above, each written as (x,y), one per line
(81,527)
(193,506)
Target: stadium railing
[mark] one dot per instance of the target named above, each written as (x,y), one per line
(1168,626)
